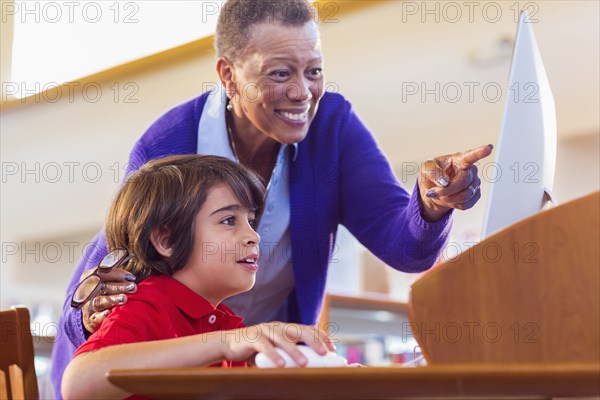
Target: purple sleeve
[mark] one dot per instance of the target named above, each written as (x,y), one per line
(72,322)
(378,211)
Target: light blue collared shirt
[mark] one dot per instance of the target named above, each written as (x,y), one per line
(266,301)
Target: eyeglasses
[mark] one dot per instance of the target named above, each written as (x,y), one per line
(91,285)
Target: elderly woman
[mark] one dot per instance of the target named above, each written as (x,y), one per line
(322,166)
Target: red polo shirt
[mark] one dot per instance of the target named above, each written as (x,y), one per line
(162,308)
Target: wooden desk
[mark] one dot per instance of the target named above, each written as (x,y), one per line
(536,284)
(506,381)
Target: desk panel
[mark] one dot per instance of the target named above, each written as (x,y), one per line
(505,381)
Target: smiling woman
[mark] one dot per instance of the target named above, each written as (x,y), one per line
(274,91)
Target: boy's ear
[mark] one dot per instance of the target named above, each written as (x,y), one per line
(161,240)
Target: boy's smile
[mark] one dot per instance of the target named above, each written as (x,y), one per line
(249,262)
(225,254)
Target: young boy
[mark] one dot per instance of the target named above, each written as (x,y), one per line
(184,225)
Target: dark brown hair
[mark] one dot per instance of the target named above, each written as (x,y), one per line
(238,16)
(167,194)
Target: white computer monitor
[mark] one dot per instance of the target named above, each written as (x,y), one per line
(523,172)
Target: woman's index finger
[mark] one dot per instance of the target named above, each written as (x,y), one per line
(470,157)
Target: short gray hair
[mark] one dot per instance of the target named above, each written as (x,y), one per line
(238,16)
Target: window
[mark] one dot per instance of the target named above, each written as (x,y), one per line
(61,41)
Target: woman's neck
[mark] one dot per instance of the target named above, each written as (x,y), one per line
(253,148)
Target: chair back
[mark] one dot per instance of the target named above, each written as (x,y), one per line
(17,369)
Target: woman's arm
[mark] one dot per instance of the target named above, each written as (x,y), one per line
(85,376)
(377,209)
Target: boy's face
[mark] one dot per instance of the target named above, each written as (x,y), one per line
(224,259)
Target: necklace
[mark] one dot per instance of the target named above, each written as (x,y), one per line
(228,124)
(266,171)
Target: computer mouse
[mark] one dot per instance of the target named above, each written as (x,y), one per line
(330,359)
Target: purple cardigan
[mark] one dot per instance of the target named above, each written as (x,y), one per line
(339,177)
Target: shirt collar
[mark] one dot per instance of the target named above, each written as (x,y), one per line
(212,129)
(294,151)
(186,300)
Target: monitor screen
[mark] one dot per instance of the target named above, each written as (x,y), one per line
(526,150)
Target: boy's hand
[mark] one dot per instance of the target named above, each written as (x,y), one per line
(244,343)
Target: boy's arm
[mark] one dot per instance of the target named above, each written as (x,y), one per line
(85,376)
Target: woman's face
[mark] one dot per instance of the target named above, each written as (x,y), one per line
(278,82)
